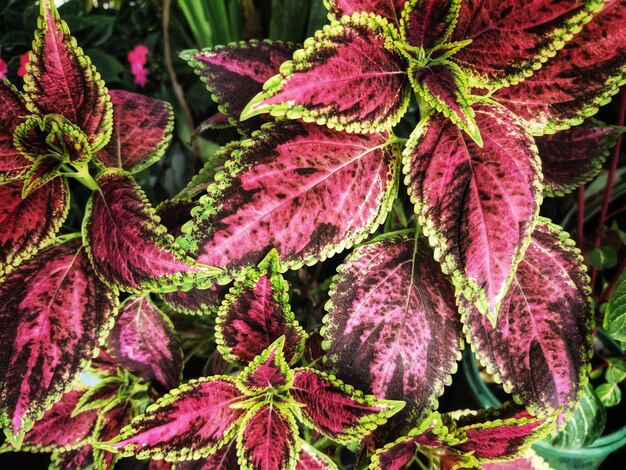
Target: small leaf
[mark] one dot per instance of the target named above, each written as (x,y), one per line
(310,458)
(428,23)
(336,409)
(390,9)
(603,257)
(616,370)
(255,313)
(142,130)
(269,370)
(130,250)
(349,76)
(13,165)
(615,315)
(144,341)
(609,394)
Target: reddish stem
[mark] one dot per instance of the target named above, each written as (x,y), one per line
(580,230)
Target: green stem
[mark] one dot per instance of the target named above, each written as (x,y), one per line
(423,107)
(80,172)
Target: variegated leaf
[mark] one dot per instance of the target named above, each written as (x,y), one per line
(196,301)
(72,459)
(142,130)
(255,313)
(13,165)
(428,23)
(268,371)
(529,461)
(511,39)
(349,76)
(541,344)
(109,427)
(53,313)
(477,205)
(145,342)
(390,9)
(225,458)
(268,439)
(174,213)
(26,225)
(310,458)
(392,327)
(306,190)
(192,421)
(129,249)
(61,80)
(581,78)
(336,409)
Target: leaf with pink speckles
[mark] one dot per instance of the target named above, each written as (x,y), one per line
(61,80)
(510,39)
(13,165)
(255,313)
(142,129)
(144,341)
(26,225)
(542,342)
(310,458)
(235,73)
(306,190)
(268,439)
(392,327)
(582,77)
(194,420)
(129,249)
(336,409)
(53,313)
(428,23)
(390,9)
(268,370)
(477,205)
(574,156)
(350,76)
(529,461)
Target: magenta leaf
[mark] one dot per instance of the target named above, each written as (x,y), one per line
(26,225)
(61,80)
(142,129)
(268,439)
(390,9)
(581,78)
(574,156)
(510,39)
(529,461)
(306,190)
(235,73)
(129,249)
(392,326)
(53,313)
(143,340)
(350,76)
(255,313)
(196,301)
(541,345)
(428,23)
(192,421)
(311,459)
(477,205)
(13,165)
(337,410)
(269,370)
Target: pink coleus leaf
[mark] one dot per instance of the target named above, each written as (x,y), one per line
(574,156)
(511,39)
(528,461)
(130,250)
(53,312)
(225,458)
(235,73)
(255,313)
(142,129)
(13,164)
(306,190)
(428,23)
(268,439)
(336,409)
(144,341)
(477,205)
(541,345)
(196,301)
(350,76)
(268,371)
(581,78)
(310,458)
(390,9)
(81,457)
(61,80)
(28,224)
(392,327)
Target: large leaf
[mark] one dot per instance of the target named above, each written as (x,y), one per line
(336,409)
(392,327)
(574,156)
(306,190)
(192,421)
(142,129)
(234,74)
(541,344)
(268,439)
(144,341)
(28,224)
(61,80)
(53,313)
(390,9)
(615,314)
(130,250)
(255,313)
(581,78)
(529,461)
(477,205)
(13,164)
(349,76)
(225,458)
(511,39)
(428,23)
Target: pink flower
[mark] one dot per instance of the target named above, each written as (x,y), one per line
(137,58)
(3,68)
(23,61)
